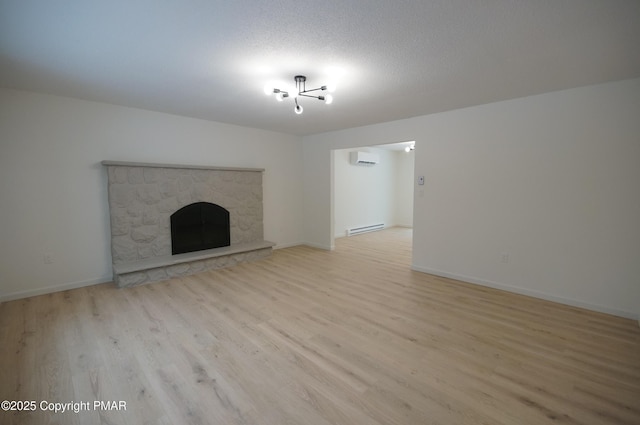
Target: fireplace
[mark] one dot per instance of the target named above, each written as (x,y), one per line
(199,226)
(171,220)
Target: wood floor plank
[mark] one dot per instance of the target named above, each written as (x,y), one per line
(351,336)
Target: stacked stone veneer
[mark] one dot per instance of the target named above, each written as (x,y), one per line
(142,198)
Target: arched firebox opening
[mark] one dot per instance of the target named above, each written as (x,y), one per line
(199,226)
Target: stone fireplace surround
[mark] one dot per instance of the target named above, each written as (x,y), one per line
(142,198)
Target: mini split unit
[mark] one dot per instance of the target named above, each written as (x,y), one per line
(364,158)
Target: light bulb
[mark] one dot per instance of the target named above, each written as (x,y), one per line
(407,149)
(298,109)
(328,99)
(268,89)
(331,87)
(279,96)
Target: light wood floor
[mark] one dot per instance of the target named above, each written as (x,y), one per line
(310,337)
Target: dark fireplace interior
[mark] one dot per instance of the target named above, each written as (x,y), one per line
(199,226)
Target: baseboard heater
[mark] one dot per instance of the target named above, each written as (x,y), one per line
(364,229)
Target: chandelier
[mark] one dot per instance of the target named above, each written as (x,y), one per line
(301,91)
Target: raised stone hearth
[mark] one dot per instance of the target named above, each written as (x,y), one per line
(142,198)
(166,267)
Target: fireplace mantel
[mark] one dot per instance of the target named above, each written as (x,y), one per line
(142,197)
(178,166)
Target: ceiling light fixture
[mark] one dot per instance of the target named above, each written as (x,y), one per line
(410,147)
(301,91)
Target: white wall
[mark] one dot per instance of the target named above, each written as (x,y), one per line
(404,188)
(552,180)
(371,194)
(53,189)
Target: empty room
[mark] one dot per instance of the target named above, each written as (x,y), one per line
(320,213)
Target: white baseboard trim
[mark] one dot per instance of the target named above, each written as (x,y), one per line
(51,289)
(288,245)
(312,245)
(319,246)
(529,292)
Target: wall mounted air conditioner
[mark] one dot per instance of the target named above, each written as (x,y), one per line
(366,158)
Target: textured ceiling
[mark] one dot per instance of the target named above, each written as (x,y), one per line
(389,59)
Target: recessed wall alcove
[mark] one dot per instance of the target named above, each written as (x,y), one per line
(142,198)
